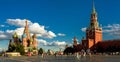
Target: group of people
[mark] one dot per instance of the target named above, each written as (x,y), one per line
(83,53)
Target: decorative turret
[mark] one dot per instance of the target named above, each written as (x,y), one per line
(26,30)
(34,36)
(75,41)
(34,41)
(66,46)
(31,40)
(24,41)
(24,35)
(15,35)
(16,39)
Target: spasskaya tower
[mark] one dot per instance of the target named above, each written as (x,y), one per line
(93,32)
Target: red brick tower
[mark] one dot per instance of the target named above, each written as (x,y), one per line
(93,32)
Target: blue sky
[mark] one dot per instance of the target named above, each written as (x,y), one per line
(68,18)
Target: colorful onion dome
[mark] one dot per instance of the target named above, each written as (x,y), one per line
(31,40)
(34,36)
(15,35)
(24,35)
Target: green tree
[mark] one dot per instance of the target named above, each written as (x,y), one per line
(12,47)
(30,49)
(69,50)
(40,51)
(35,48)
(16,48)
(20,48)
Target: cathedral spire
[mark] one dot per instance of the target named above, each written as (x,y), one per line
(26,27)
(26,30)
(26,22)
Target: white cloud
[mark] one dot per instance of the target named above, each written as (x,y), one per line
(3,36)
(41,41)
(40,31)
(1,32)
(36,28)
(1,49)
(70,44)
(48,34)
(6,34)
(84,29)
(33,28)
(2,25)
(9,31)
(113,29)
(18,22)
(58,43)
(19,31)
(108,26)
(61,34)
(54,43)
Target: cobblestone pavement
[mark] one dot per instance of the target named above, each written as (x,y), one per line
(61,59)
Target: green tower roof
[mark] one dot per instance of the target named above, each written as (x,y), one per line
(24,35)
(15,35)
(31,40)
(93,9)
